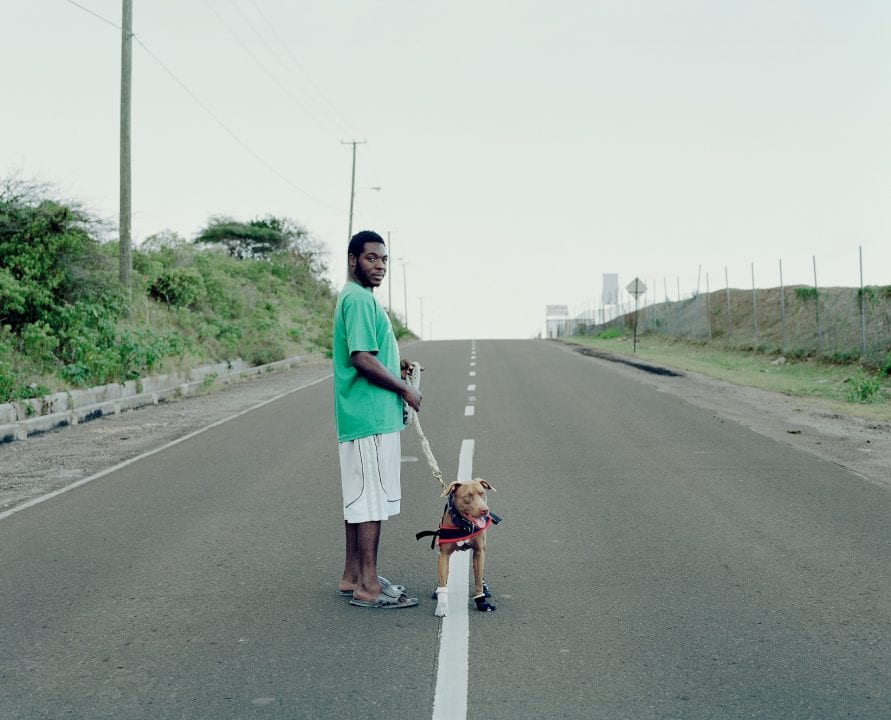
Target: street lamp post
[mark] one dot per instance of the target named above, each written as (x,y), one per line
(421,305)
(405,289)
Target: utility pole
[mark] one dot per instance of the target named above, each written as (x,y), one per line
(125,250)
(421,302)
(389,275)
(352,182)
(405,291)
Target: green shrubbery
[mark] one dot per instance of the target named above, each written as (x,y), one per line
(864,388)
(807,293)
(248,290)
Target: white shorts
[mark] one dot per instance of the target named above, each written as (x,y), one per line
(369,476)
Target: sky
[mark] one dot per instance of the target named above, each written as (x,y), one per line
(515,151)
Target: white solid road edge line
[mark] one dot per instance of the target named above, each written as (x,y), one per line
(450,699)
(194,433)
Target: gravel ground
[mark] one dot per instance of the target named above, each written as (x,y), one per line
(41,464)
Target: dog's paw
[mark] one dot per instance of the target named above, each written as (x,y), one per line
(442,601)
(483,605)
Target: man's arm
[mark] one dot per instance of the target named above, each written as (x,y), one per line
(369,367)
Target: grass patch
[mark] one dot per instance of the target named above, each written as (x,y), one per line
(861,393)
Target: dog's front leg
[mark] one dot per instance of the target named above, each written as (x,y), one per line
(479,564)
(442,582)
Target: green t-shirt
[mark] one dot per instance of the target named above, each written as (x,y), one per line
(362,408)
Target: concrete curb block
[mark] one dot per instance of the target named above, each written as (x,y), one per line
(31,417)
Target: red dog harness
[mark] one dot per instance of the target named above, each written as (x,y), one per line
(461,529)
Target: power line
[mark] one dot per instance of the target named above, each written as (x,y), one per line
(95,15)
(209,112)
(260,64)
(231,134)
(335,113)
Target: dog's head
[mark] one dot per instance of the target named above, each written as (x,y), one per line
(469,499)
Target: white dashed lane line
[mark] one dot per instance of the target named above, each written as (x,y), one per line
(450,698)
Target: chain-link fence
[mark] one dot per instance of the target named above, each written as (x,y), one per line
(799,321)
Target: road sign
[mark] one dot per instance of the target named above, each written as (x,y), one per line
(636,287)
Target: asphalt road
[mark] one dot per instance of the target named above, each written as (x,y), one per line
(653,563)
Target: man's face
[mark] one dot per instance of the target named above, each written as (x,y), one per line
(370,268)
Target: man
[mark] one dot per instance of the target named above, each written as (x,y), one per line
(369,391)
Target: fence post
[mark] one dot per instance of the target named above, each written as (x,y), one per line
(679,307)
(862,312)
(708,307)
(782,310)
(727,285)
(817,305)
(754,304)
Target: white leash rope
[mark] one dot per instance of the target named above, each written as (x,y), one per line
(413,378)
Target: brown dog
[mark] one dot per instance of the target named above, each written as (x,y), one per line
(463,527)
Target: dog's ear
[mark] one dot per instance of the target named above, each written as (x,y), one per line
(451,488)
(485,484)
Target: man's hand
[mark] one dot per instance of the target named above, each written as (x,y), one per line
(413,397)
(369,367)
(405,367)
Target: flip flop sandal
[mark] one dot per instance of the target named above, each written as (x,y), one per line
(382,580)
(389,599)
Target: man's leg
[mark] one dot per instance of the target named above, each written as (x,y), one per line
(362,541)
(351,559)
(370,481)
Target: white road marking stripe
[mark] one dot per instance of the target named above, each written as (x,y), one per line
(472,373)
(471,388)
(194,433)
(450,699)
(469,410)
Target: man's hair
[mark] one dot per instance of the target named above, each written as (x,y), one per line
(357,242)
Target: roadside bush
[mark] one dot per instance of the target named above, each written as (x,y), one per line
(63,314)
(610,334)
(47,254)
(179,286)
(7,374)
(806,293)
(863,388)
(844,357)
(258,349)
(40,343)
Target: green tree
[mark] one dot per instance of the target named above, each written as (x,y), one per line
(47,254)
(261,238)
